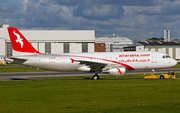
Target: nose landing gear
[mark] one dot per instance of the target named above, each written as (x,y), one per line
(153,71)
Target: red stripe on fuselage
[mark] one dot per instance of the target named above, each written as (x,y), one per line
(127,66)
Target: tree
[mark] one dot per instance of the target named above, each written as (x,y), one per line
(155,39)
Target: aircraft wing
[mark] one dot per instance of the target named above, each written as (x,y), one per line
(92,65)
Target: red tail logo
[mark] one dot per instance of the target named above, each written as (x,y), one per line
(18,38)
(18,41)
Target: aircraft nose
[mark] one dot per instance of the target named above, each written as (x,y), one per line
(173,62)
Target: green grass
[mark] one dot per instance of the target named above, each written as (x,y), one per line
(90,96)
(18,68)
(7,65)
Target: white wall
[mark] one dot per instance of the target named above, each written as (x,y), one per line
(4,32)
(90,47)
(78,47)
(72,48)
(153,49)
(3,35)
(139,48)
(177,53)
(56,47)
(146,49)
(60,48)
(160,49)
(42,47)
(163,50)
(171,52)
(63,35)
(2,46)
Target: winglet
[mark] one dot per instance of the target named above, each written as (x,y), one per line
(19,42)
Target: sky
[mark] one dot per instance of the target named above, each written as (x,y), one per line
(134,19)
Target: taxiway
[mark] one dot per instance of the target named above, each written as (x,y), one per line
(25,75)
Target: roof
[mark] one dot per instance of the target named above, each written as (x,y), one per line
(118,39)
(159,43)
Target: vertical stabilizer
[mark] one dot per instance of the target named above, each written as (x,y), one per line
(19,42)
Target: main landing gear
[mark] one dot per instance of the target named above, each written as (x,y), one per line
(95,77)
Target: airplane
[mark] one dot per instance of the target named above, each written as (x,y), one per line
(113,63)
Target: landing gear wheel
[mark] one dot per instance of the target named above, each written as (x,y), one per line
(161,77)
(95,77)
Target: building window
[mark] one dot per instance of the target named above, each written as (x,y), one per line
(84,47)
(111,47)
(48,47)
(8,49)
(66,47)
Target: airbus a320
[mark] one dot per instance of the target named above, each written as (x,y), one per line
(113,63)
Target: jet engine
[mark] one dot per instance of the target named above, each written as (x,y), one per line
(85,69)
(119,71)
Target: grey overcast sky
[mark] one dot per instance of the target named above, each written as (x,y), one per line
(134,19)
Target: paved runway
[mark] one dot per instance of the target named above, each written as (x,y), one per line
(25,75)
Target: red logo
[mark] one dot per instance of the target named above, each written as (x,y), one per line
(119,71)
(72,60)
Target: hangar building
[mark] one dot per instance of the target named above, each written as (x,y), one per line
(111,44)
(51,41)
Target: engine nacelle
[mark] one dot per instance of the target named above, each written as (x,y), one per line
(120,71)
(85,69)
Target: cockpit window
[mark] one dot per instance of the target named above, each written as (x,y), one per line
(166,56)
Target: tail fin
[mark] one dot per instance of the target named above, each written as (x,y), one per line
(19,42)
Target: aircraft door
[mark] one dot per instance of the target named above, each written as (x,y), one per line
(153,58)
(40,58)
